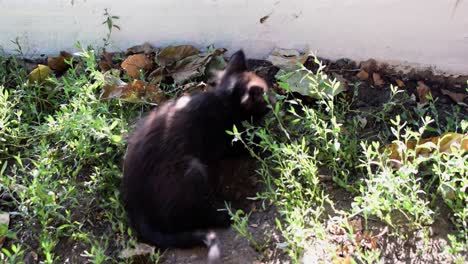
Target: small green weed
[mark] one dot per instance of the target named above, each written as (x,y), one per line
(240,224)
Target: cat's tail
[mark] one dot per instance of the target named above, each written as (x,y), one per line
(182,240)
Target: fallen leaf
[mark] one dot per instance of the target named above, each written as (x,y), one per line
(423,92)
(447,191)
(362,75)
(172,54)
(362,121)
(356,224)
(40,74)
(139,250)
(145,48)
(134,63)
(456,97)
(377,79)
(342,260)
(427,146)
(368,242)
(157,75)
(4,223)
(301,81)
(193,66)
(106,63)
(342,80)
(111,78)
(193,87)
(58,64)
(287,59)
(136,91)
(448,140)
(400,83)
(336,229)
(369,65)
(216,65)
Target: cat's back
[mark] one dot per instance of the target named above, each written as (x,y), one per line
(180,125)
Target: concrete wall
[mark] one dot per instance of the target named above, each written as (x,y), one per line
(419,32)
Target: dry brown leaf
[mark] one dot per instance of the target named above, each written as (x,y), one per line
(157,75)
(362,75)
(298,79)
(106,63)
(342,260)
(103,66)
(426,146)
(356,224)
(369,65)
(423,92)
(193,87)
(172,54)
(193,66)
(400,83)
(336,229)
(145,48)
(40,74)
(58,64)
(368,242)
(456,97)
(287,59)
(136,91)
(301,81)
(134,63)
(214,68)
(377,79)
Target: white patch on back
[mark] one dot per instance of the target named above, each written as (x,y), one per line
(196,165)
(182,102)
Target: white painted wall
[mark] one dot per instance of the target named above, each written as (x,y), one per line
(422,32)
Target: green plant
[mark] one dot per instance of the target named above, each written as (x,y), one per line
(294,146)
(302,143)
(240,224)
(13,256)
(395,195)
(110,23)
(59,159)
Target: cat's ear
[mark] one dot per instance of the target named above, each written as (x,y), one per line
(237,64)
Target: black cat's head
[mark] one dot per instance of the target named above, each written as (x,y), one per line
(246,89)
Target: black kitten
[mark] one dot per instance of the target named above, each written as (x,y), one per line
(170,170)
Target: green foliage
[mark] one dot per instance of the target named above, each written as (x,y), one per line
(109,22)
(302,143)
(240,224)
(60,150)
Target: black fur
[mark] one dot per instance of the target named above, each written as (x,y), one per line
(170,169)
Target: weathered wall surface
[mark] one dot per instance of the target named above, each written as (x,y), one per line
(420,32)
